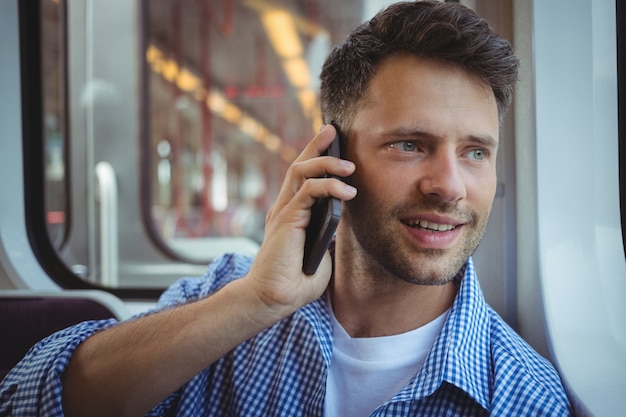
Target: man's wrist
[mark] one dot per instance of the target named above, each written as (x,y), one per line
(258,311)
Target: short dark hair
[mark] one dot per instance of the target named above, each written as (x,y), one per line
(447,32)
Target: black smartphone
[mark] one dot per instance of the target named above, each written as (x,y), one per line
(325,215)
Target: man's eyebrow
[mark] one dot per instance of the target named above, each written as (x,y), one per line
(485,140)
(409,132)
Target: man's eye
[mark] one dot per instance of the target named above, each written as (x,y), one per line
(404,146)
(478,154)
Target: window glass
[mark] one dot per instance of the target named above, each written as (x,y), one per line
(169,125)
(232,98)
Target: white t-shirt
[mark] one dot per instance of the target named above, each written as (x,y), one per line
(366,372)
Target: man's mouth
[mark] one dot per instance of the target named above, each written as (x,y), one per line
(430,226)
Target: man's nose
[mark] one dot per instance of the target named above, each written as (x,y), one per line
(442,176)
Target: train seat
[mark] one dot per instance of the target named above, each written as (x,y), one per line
(27,317)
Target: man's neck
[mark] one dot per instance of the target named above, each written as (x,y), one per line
(367,314)
(368,302)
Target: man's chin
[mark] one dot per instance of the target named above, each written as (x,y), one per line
(426,270)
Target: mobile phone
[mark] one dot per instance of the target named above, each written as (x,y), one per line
(325,214)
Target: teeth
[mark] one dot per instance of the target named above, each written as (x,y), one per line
(424,224)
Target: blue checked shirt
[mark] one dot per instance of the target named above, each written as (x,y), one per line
(478,365)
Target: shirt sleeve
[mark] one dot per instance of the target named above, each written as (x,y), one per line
(220,272)
(33,387)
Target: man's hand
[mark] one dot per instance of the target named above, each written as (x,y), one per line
(276,276)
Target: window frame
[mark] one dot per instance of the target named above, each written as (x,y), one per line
(33,147)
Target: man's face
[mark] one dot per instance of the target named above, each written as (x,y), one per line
(424,142)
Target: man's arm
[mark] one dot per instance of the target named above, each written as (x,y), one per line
(129,369)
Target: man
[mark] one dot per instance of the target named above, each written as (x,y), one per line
(395,323)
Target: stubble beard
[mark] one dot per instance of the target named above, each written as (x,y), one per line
(376,236)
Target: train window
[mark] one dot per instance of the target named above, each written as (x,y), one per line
(231,99)
(168,126)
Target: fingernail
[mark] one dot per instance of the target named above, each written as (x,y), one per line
(346,163)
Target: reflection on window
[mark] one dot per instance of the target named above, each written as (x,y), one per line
(184,116)
(232,98)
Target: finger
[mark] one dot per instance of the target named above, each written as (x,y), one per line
(315,188)
(297,211)
(316,168)
(309,164)
(318,145)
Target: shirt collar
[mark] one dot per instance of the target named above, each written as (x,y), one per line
(460,355)
(318,317)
